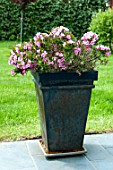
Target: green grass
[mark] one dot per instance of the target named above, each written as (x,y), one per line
(100,117)
(18,105)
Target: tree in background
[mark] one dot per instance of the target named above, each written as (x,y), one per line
(23,4)
(111,3)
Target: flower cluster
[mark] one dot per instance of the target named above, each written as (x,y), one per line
(58,51)
(89,38)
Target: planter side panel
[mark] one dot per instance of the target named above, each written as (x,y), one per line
(40,101)
(66,114)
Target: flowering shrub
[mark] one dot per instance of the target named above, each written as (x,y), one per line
(58,51)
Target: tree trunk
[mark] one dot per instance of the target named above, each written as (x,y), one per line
(111,3)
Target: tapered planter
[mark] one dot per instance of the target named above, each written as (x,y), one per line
(63,100)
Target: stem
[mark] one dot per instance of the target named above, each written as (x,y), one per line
(92,59)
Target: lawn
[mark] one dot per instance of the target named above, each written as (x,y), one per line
(18,105)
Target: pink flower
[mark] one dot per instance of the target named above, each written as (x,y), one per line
(17,50)
(10,62)
(38,44)
(23,53)
(50,63)
(18,45)
(71,42)
(102,48)
(55,66)
(55,46)
(64,44)
(44,54)
(108,53)
(89,38)
(64,67)
(27,46)
(22,63)
(12,52)
(77,50)
(88,48)
(78,42)
(61,35)
(13,72)
(38,51)
(15,57)
(38,36)
(59,31)
(50,34)
(107,48)
(64,28)
(23,72)
(18,66)
(68,37)
(92,42)
(87,43)
(59,54)
(28,65)
(60,60)
(29,61)
(55,58)
(44,59)
(19,59)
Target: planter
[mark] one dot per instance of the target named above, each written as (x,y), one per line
(63,100)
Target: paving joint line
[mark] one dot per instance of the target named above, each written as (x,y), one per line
(31,156)
(91,163)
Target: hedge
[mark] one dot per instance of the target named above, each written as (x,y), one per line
(42,15)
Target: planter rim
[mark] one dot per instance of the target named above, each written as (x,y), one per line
(64,72)
(63,87)
(64,78)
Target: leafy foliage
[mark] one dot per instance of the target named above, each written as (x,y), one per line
(9,20)
(41,16)
(58,51)
(102,24)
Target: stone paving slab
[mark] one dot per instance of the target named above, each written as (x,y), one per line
(27,155)
(69,163)
(15,156)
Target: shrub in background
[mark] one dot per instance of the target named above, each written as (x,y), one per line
(44,15)
(102,24)
(9,20)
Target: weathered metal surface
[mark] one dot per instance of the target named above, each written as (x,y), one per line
(65,78)
(63,113)
(62,153)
